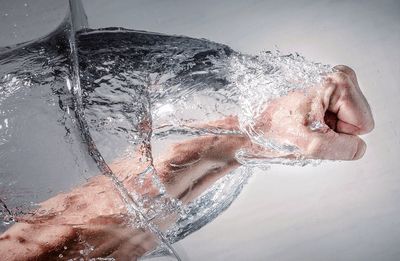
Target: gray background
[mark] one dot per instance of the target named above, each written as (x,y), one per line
(336,211)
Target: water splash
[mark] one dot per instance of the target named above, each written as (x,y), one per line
(132,93)
(265,77)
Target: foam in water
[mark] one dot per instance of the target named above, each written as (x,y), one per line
(131,94)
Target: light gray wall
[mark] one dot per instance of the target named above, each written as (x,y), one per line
(24,20)
(337,211)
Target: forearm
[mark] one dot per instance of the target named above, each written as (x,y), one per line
(33,241)
(186,169)
(195,160)
(182,164)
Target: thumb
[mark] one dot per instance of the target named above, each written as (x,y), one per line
(335,146)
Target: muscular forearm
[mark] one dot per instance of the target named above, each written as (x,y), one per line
(194,161)
(33,241)
(197,162)
(186,169)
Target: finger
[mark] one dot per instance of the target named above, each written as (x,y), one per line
(347,70)
(335,146)
(348,103)
(337,125)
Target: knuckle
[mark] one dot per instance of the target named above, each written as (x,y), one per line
(346,69)
(342,78)
(369,126)
(343,84)
(359,150)
(349,72)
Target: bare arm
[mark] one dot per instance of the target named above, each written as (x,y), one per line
(186,170)
(189,167)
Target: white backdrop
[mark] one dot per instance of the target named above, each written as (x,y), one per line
(336,211)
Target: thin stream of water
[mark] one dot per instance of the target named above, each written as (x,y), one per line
(78,21)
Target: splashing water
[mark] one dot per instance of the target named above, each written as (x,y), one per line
(132,93)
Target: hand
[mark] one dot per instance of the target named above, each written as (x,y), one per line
(323,122)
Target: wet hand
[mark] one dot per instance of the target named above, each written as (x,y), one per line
(323,122)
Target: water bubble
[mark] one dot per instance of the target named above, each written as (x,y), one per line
(142,92)
(317,125)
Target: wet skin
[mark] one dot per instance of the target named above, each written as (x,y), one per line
(92,221)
